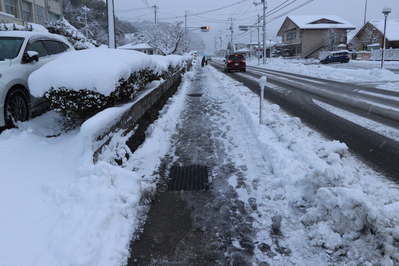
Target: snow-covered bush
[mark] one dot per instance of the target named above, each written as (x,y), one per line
(82,83)
(74,36)
(82,104)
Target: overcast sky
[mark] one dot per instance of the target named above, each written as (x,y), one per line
(219,13)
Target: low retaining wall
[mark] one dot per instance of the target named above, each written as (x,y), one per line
(390,55)
(139,116)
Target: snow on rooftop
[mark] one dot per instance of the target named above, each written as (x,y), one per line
(392,29)
(310,22)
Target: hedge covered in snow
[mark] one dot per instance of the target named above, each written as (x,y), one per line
(82,83)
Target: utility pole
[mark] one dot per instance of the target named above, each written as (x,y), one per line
(365,12)
(257,52)
(111,24)
(264,2)
(220,32)
(231,36)
(155,13)
(185,20)
(251,48)
(85,9)
(264,31)
(216,46)
(62,10)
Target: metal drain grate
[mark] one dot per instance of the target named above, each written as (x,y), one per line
(194,177)
(195,95)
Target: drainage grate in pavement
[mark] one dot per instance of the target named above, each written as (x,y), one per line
(195,95)
(193,177)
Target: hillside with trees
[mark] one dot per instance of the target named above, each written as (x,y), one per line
(85,25)
(90,18)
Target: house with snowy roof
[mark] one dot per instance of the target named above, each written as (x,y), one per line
(305,36)
(141,47)
(371,35)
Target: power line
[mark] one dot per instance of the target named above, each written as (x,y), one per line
(278,8)
(130,10)
(216,9)
(146,4)
(289,11)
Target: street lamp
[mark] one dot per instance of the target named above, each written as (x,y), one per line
(386,12)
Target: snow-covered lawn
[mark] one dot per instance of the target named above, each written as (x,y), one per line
(58,208)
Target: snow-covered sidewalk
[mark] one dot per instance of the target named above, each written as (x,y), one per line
(58,208)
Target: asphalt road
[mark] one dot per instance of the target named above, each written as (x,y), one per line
(295,94)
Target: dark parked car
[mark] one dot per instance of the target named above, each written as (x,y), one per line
(235,62)
(336,57)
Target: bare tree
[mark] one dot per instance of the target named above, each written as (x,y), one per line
(89,16)
(368,36)
(332,39)
(168,38)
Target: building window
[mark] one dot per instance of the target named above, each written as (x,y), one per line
(291,36)
(52,16)
(40,15)
(26,11)
(11,7)
(298,50)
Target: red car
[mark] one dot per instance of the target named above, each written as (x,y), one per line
(235,62)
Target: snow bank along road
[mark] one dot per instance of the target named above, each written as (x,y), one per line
(306,97)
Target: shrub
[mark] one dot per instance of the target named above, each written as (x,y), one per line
(80,105)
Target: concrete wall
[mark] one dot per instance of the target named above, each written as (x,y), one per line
(390,55)
(138,117)
(312,41)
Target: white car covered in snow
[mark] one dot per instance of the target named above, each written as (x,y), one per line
(21,53)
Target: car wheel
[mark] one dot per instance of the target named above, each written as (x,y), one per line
(16,108)
(244,70)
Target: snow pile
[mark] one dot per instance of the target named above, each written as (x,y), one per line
(98,69)
(326,198)
(324,71)
(59,207)
(97,79)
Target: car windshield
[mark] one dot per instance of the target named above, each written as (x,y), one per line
(236,57)
(9,47)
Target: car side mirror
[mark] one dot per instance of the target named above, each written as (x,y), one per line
(30,56)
